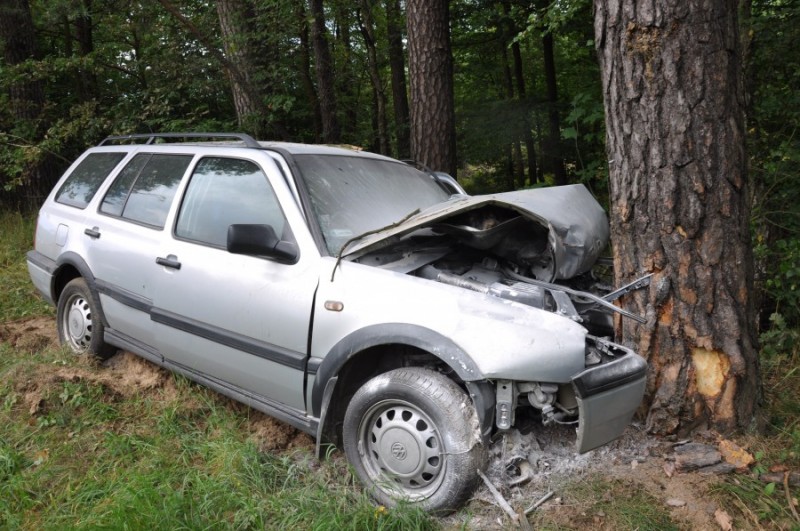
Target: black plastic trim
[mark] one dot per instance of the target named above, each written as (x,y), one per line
(267,351)
(41,261)
(595,380)
(125,297)
(390,334)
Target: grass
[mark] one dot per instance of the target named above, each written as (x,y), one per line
(17,294)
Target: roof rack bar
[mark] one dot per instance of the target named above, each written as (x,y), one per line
(150,138)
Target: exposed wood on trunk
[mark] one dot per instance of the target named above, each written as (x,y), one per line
(671,79)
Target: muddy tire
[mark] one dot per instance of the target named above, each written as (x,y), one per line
(412,434)
(79,325)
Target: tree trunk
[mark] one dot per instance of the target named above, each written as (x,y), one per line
(235,19)
(671,78)
(430,67)
(552,155)
(397,65)
(87,83)
(306,79)
(331,132)
(367,27)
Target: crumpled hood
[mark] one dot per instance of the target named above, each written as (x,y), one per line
(563,224)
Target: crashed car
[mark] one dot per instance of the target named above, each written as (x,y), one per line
(370,304)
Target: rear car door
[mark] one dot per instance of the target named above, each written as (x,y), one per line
(124,235)
(239,320)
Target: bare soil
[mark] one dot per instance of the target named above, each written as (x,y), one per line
(523,467)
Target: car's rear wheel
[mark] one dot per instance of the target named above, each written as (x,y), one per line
(412,434)
(79,325)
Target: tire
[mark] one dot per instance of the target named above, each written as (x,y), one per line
(79,325)
(413,435)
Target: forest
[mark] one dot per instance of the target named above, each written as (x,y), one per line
(502,94)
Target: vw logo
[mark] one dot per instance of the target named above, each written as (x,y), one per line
(399,451)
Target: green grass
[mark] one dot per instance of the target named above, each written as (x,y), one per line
(17,294)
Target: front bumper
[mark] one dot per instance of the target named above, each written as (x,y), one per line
(608,396)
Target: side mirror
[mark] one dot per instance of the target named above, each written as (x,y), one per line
(261,240)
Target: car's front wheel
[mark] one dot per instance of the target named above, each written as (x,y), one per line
(412,434)
(79,324)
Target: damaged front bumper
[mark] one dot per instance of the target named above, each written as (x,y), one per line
(608,395)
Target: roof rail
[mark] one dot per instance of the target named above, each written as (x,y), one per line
(150,138)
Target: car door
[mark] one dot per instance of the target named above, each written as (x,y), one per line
(242,320)
(123,236)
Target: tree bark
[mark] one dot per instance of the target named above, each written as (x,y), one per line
(672,87)
(430,66)
(331,131)
(397,65)
(306,79)
(235,20)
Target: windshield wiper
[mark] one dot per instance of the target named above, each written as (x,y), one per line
(368,233)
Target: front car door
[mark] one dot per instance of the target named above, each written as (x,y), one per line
(239,321)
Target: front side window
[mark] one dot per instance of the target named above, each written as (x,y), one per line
(80,187)
(144,189)
(223,192)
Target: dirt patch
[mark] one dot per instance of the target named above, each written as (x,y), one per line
(273,435)
(30,335)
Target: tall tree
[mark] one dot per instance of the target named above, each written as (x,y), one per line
(671,78)
(552,151)
(367,27)
(323,63)
(397,65)
(430,67)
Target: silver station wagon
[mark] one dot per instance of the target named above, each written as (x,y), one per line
(355,297)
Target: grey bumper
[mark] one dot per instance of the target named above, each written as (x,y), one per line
(608,396)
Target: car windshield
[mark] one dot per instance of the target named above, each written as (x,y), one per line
(354,195)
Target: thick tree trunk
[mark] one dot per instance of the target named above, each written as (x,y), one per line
(397,65)
(430,66)
(235,19)
(331,131)
(671,78)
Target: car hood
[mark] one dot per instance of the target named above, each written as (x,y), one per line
(559,231)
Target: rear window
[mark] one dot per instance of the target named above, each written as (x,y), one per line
(80,187)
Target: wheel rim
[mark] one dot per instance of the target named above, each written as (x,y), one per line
(401,449)
(77,323)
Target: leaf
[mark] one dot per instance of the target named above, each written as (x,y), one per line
(769,489)
(724,520)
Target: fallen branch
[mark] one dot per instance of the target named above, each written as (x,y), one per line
(536,505)
(499,497)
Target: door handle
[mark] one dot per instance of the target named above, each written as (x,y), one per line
(93,233)
(170,261)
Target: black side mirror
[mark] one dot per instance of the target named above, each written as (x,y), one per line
(261,240)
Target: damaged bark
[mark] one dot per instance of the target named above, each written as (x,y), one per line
(672,87)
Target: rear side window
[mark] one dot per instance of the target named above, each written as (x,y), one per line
(80,187)
(224,192)
(144,189)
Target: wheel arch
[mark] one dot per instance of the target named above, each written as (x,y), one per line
(70,266)
(379,348)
